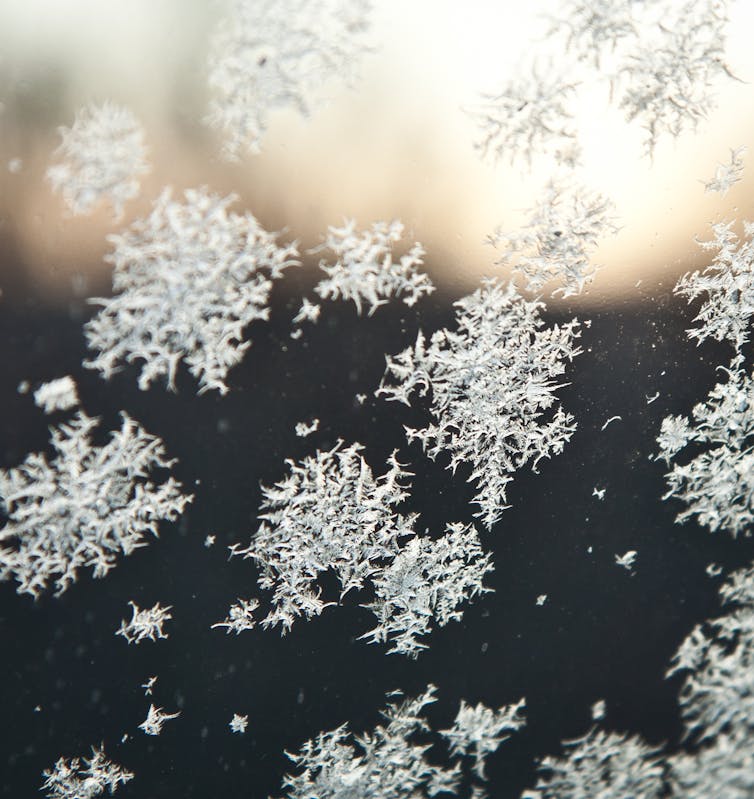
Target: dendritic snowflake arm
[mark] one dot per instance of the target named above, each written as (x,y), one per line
(84,507)
(156,718)
(492,383)
(145,623)
(558,240)
(240,617)
(427,581)
(728,174)
(479,731)
(102,155)
(271,54)
(717,483)
(329,513)
(727,286)
(365,270)
(187,281)
(84,777)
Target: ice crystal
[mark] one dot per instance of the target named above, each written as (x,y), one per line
(541,599)
(727,286)
(156,718)
(308,312)
(599,708)
(492,383)
(724,770)
(240,617)
(271,54)
(304,429)
(145,623)
(716,482)
(149,685)
(85,506)
(188,279)
(558,240)
(102,156)
(365,271)
(627,560)
(84,778)
(428,580)
(727,175)
(479,731)
(601,764)
(238,723)
(57,395)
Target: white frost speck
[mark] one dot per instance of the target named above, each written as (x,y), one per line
(57,395)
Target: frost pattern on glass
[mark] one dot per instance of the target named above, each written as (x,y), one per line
(727,174)
(492,383)
(145,624)
(273,54)
(85,506)
(716,481)
(187,281)
(365,271)
(84,778)
(57,395)
(102,156)
(558,239)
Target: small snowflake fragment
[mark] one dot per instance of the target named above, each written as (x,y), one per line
(541,599)
(627,560)
(304,429)
(209,541)
(599,708)
(155,719)
(240,617)
(610,421)
(238,723)
(308,312)
(102,157)
(599,493)
(149,685)
(727,175)
(145,623)
(84,778)
(57,395)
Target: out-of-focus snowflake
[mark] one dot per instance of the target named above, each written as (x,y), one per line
(240,617)
(156,718)
(238,723)
(717,483)
(599,708)
(428,580)
(145,623)
(102,156)
(84,507)
(271,54)
(479,731)
(727,285)
(601,764)
(84,778)
(188,279)
(492,383)
(727,175)
(557,241)
(364,270)
(57,395)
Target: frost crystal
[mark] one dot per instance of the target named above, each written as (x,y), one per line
(304,429)
(240,617)
(601,765)
(84,778)
(238,723)
(727,175)
(152,724)
(727,284)
(85,506)
(364,270)
(427,580)
(492,383)
(102,156)
(717,483)
(270,54)
(723,770)
(309,312)
(57,395)
(188,279)
(627,560)
(557,241)
(145,623)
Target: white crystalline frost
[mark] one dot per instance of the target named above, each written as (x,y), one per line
(187,281)
(145,623)
(85,506)
(728,174)
(492,384)
(238,723)
(273,54)
(57,395)
(102,157)
(365,271)
(156,718)
(304,429)
(240,617)
(84,778)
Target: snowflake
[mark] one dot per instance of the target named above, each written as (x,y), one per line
(57,395)
(727,175)
(84,778)
(364,270)
(478,731)
(541,599)
(240,617)
(149,685)
(601,764)
(528,117)
(145,623)
(103,154)
(728,285)
(599,709)
(427,580)
(269,54)
(304,429)
(188,279)
(85,506)
(717,483)
(152,724)
(626,560)
(557,241)
(492,383)
(238,723)
(308,312)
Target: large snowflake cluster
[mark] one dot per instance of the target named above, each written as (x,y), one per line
(84,778)
(492,383)
(392,761)
(84,507)
(558,240)
(271,54)
(188,279)
(102,157)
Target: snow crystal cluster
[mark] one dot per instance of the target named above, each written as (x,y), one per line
(155,720)
(727,174)
(57,395)
(240,617)
(84,778)
(145,623)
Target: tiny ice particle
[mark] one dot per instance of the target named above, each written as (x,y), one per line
(238,723)
(57,395)
(599,493)
(152,724)
(541,599)
(626,560)
(149,685)
(304,429)
(611,419)
(598,710)
(209,541)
